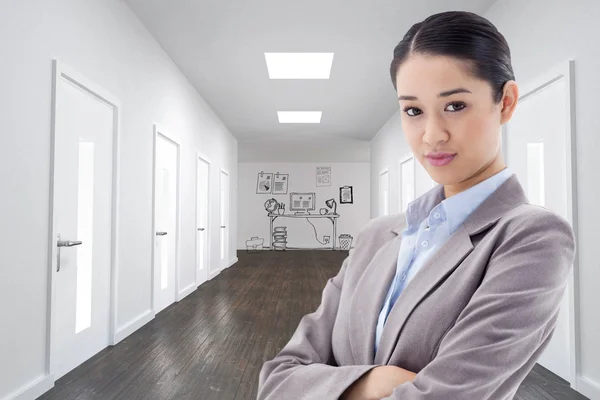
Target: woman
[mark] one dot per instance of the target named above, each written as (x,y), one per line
(457,298)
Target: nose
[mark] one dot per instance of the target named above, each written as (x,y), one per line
(435,131)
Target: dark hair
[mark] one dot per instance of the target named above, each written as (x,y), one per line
(464,36)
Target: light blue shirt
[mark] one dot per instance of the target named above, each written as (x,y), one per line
(424,237)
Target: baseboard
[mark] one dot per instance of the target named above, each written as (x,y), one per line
(134,325)
(187,291)
(266,248)
(588,388)
(213,274)
(33,390)
(200,283)
(235,260)
(293,247)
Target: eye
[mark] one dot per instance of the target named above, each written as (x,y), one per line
(455,107)
(412,111)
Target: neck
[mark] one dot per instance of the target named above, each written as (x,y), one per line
(490,170)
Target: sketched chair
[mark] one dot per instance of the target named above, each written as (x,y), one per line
(255,243)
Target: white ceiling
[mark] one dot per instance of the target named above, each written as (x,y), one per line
(219,45)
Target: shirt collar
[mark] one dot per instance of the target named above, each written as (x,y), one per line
(461,205)
(455,209)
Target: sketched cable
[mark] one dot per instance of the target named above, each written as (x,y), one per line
(316,236)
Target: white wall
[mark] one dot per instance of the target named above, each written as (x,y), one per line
(388,148)
(542,34)
(253,220)
(305,150)
(104,41)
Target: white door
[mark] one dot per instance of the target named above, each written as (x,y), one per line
(166,226)
(224,218)
(202,235)
(82,213)
(384,193)
(538,151)
(407,183)
(423,182)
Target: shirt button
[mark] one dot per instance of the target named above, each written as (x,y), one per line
(437,215)
(425,243)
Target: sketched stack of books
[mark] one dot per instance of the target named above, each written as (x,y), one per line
(279,238)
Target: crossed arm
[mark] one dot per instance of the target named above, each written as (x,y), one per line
(487,353)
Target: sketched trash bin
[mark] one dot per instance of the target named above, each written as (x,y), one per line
(345,241)
(254,243)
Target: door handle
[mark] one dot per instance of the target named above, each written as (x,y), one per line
(63,243)
(201,229)
(161,233)
(222,226)
(68,243)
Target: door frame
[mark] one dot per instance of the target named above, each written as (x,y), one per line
(402,161)
(159,129)
(228,217)
(200,156)
(60,70)
(383,171)
(566,71)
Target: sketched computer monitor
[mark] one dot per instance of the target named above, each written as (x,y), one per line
(302,201)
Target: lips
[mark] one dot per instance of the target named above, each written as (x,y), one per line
(440,159)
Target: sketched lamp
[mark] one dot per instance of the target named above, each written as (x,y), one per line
(331,203)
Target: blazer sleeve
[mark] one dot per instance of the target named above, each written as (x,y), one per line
(305,368)
(508,322)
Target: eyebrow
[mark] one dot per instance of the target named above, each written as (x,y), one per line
(442,94)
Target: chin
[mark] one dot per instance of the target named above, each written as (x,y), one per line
(449,177)
(440,178)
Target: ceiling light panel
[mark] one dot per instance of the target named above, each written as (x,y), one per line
(299,117)
(299,65)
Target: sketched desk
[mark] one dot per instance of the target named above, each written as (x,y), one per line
(332,217)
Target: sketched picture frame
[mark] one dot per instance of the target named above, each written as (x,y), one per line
(280,183)
(264,183)
(346,195)
(323,176)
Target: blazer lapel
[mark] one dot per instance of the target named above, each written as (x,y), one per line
(435,269)
(371,290)
(443,262)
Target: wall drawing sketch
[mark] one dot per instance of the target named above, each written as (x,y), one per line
(323,176)
(346,195)
(302,205)
(254,243)
(280,183)
(264,183)
(345,241)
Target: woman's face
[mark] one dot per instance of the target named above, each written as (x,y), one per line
(450,120)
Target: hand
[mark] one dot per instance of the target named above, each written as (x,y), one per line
(378,383)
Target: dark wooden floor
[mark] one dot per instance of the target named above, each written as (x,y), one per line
(213,343)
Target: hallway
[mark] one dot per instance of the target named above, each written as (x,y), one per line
(213,344)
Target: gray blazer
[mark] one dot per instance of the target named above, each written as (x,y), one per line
(471,323)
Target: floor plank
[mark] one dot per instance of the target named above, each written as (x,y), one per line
(213,344)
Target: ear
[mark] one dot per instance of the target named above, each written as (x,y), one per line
(510,98)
